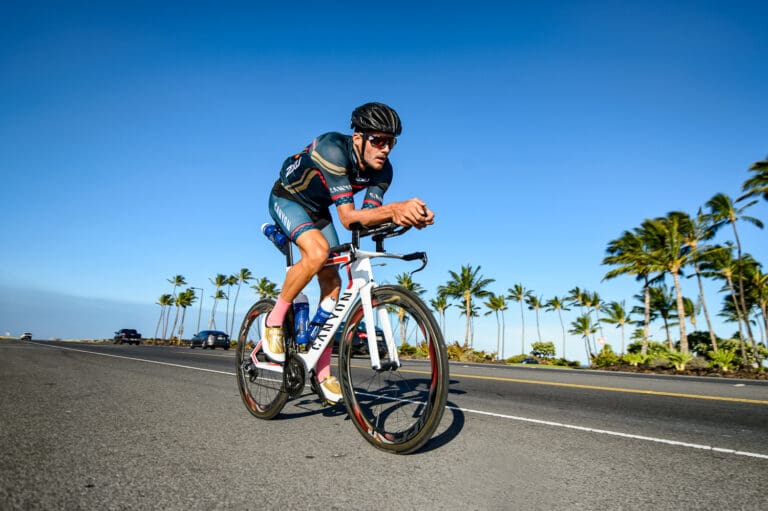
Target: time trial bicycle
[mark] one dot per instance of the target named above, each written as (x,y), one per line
(396,394)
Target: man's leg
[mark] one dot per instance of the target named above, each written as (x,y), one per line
(330,284)
(313,248)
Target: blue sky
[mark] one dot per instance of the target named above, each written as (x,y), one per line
(139,141)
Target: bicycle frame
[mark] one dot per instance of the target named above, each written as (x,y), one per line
(361,282)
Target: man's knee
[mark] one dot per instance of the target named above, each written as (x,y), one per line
(314,248)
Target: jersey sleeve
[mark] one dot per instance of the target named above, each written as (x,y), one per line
(330,158)
(374,195)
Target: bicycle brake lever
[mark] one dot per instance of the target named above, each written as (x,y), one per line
(414,256)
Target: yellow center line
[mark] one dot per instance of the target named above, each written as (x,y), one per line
(596,387)
(614,389)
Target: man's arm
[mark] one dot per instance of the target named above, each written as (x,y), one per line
(413,212)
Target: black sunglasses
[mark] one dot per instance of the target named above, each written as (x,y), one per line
(379,141)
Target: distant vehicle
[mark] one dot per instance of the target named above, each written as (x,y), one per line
(26,336)
(210,339)
(360,340)
(529,361)
(127,335)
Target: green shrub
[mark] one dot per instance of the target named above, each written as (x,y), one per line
(722,359)
(634,359)
(406,349)
(679,359)
(655,349)
(517,359)
(543,349)
(606,357)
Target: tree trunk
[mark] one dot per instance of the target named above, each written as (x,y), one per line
(538,328)
(522,319)
(498,337)
(212,321)
(669,337)
(562,326)
(680,312)
(234,306)
(503,334)
(468,311)
(159,320)
(738,319)
(647,322)
(712,337)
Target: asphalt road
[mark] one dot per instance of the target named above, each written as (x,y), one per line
(126,427)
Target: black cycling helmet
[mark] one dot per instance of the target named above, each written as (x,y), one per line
(376,117)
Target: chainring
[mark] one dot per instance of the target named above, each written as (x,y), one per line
(294,376)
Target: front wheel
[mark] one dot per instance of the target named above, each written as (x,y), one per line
(261,390)
(396,410)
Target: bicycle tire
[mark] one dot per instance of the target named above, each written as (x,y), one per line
(262,391)
(397,410)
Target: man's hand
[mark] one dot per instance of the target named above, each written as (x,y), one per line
(412,213)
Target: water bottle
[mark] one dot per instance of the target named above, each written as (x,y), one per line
(301,318)
(276,236)
(321,316)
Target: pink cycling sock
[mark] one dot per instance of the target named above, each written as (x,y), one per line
(324,365)
(277,315)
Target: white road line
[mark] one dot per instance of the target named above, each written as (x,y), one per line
(138,359)
(479,412)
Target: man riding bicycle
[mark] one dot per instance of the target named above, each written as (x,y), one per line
(329,171)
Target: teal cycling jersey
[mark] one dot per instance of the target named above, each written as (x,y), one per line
(327,172)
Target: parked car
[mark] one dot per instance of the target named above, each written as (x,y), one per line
(529,361)
(360,340)
(26,336)
(127,335)
(210,339)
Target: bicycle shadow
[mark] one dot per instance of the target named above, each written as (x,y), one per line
(308,405)
(451,432)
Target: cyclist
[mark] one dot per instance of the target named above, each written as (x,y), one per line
(329,171)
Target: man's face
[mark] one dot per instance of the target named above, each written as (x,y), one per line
(377,148)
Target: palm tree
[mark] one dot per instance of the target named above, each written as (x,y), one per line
(406,280)
(719,263)
(632,255)
(617,315)
(596,303)
(466,285)
(663,306)
(757,184)
(474,313)
(244,276)
(518,293)
(694,231)
(164,301)
(497,304)
(583,326)
(230,281)
(758,284)
(440,303)
(556,304)
(220,295)
(576,297)
(671,253)
(535,303)
(176,280)
(724,211)
(219,281)
(692,310)
(185,299)
(265,288)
